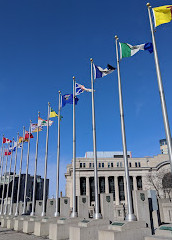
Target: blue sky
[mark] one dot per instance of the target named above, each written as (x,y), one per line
(43,44)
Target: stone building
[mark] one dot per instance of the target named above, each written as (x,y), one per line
(29,192)
(111,174)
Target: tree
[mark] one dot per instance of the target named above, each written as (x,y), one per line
(161,181)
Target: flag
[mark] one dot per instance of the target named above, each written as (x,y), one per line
(80,89)
(7,152)
(6,140)
(100,72)
(34,127)
(43,123)
(20,140)
(18,145)
(68,98)
(162,14)
(127,50)
(27,135)
(53,113)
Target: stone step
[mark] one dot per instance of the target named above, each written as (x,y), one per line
(157,238)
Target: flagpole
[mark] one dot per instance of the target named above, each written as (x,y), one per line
(34,181)
(57,211)
(97,214)
(5,212)
(14,173)
(18,190)
(2,157)
(161,90)
(130,216)
(2,154)
(27,167)
(74,212)
(2,200)
(45,171)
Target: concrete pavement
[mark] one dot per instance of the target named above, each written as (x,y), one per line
(7,234)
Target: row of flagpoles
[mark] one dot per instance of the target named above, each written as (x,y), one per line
(126,50)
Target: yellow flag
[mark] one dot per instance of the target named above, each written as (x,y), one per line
(162,14)
(53,113)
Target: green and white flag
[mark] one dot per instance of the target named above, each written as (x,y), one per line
(127,50)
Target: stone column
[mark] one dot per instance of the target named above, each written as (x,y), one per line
(134,183)
(125,191)
(88,189)
(116,190)
(106,185)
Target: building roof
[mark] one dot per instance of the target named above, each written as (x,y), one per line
(106,154)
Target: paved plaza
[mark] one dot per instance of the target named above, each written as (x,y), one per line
(7,234)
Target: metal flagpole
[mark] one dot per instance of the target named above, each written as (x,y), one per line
(34,181)
(3,190)
(18,190)
(130,216)
(5,211)
(2,157)
(2,160)
(1,165)
(57,211)
(97,214)
(14,173)
(161,90)
(27,166)
(74,212)
(46,158)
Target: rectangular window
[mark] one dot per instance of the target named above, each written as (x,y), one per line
(108,165)
(84,165)
(139,164)
(93,165)
(103,165)
(117,164)
(112,186)
(83,185)
(80,165)
(129,164)
(120,164)
(90,165)
(121,188)
(135,164)
(102,184)
(139,182)
(99,165)
(111,164)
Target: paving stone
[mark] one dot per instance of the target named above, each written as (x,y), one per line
(8,234)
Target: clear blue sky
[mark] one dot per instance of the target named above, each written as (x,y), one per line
(43,44)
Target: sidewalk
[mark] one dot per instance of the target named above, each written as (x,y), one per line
(7,234)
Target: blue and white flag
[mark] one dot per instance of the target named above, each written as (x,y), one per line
(14,147)
(68,98)
(80,89)
(100,72)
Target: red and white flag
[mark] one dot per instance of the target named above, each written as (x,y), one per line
(7,152)
(6,140)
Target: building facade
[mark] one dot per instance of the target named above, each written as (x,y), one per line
(111,174)
(29,191)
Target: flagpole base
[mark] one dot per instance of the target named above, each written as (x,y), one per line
(16,214)
(32,214)
(130,217)
(10,213)
(56,214)
(43,214)
(97,216)
(74,214)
